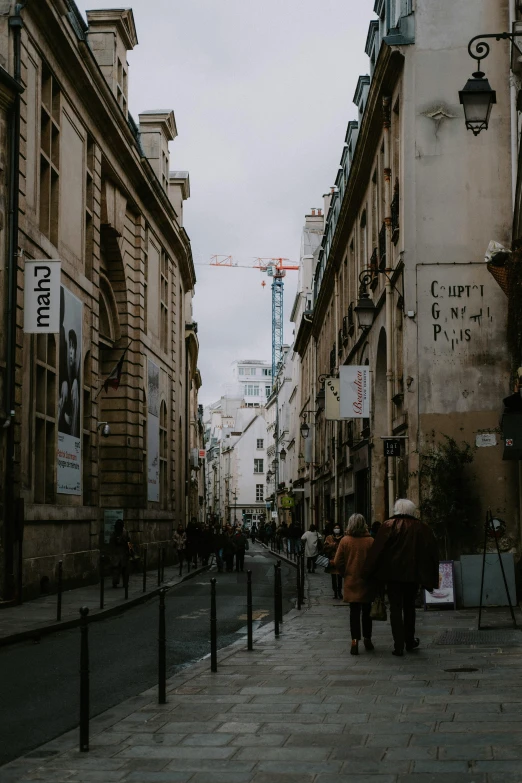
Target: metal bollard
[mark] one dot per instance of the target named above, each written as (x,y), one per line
(276,603)
(84,681)
(249,611)
(213,627)
(159,565)
(279,592)
(298,579)
(162,650)
(126,581)
(144,569)
(59,593)
(102,582)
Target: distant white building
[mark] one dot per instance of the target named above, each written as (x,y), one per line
(252,380)
(236,442)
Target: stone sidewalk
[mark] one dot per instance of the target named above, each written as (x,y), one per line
(38,617)
(300,709)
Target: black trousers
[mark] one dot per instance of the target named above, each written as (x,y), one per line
(337,583)
(240,559)
(402,612)
(356,610)
(310,563)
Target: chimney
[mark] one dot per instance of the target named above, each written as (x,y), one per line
(111,35)
(157,128)
(179,191)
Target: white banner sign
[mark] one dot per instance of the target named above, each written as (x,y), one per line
(42,297)
(153,482)
(354,392)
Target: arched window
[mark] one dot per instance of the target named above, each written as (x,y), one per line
(164,446)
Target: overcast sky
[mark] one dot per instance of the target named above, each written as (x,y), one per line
(262,93)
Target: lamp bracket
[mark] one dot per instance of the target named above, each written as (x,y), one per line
(479,51)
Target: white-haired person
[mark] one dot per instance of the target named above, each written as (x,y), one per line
(350,561)
(404,556)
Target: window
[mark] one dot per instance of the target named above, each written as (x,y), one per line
(50,111)
(260,443)
(163,456)
(121,87)
(268,390)
(259,493)
(251,390)
(145,261)
(267,371)
(89,207)
(241,371)
(164,302)
(45,418)
(258,466)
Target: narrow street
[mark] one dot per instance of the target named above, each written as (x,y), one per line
(40,682)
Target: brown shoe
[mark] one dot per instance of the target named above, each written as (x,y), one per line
(368,645)
(354,650)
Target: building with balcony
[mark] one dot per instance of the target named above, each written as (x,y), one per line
(414,204)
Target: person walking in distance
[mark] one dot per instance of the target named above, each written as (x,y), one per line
(331,544)
(180,544)
(311,541)
(404,556)
(240,545)
(119,542)
(350,560)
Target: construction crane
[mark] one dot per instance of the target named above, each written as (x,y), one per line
(276,268)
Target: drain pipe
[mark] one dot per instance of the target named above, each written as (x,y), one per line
(386,105)
(11,535)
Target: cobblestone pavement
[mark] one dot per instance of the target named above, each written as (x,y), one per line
(301,709)
(39,615)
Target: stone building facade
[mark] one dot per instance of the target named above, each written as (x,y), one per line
(416,201)
(96,193)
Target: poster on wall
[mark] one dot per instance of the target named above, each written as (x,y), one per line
(444,593)
(69,456)
(354,391)
(153,431)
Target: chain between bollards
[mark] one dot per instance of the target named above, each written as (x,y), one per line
(162,650)
(84,681)
(59,593)
(213,627)
(144,559)
(102,582)
(249,611)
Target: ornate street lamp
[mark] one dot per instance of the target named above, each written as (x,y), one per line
(282,453)
(365,308)
(477,97)
(305,429)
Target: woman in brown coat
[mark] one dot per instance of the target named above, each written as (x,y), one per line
(350,560)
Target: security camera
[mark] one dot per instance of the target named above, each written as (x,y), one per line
(105,429)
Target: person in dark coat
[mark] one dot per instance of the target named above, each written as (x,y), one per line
(220,543)
(119,542)
(330,549)
(228,549)
(240,545)
(404,556)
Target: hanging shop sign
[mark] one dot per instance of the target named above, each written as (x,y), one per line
(42,297)
(332,399)
(392,448)
(354,392)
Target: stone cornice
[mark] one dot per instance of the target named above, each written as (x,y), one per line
(387,71)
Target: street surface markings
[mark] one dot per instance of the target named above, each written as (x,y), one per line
(257,614)
(195,615)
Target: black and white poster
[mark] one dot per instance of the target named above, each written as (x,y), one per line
(69,463)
